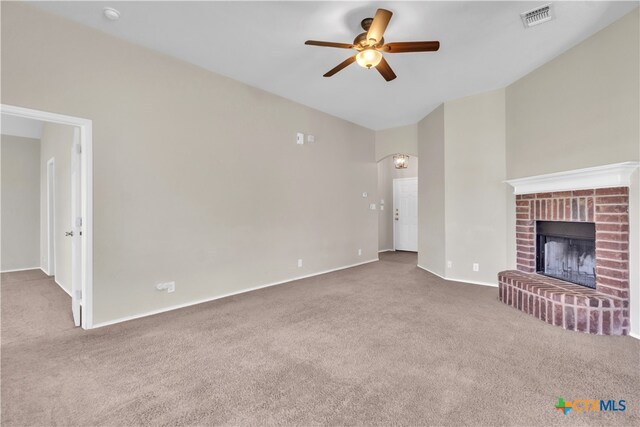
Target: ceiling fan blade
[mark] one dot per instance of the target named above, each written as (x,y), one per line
(404,47)
(329,44)
(379,24)
(350,60)
(386,71)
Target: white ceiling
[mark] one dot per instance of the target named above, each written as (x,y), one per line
(19,126)
(484,46)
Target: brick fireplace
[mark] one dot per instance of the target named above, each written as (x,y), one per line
(601,310)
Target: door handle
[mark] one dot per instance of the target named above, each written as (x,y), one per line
(68,233)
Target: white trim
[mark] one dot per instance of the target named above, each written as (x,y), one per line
(86,144)
(634,335)
(471,282)
(405,179)
(51,216)
(22,269)
(613,175)
(386,250)
(188,304)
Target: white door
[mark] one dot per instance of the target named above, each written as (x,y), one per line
(76,229)
(405,214)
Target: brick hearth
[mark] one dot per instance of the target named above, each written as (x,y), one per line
(604,310)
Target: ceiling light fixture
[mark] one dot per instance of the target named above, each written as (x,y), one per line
(401,161)
(368,58)
(111,14)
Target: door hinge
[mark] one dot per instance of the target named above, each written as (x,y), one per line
(79,295)
(79,222)
(78,148)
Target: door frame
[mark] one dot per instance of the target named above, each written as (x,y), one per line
(51,216)
(395,183)
(86,192)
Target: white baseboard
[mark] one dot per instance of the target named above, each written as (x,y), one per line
(188,304)
(386,250)
(634,335)
(20,269)
(450,279)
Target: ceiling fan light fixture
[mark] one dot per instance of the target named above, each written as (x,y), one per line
(368,58)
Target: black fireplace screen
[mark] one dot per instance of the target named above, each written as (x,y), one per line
(567,251)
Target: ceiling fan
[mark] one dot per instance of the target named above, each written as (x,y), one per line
(370,46)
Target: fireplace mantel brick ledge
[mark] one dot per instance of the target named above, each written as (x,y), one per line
(604,310)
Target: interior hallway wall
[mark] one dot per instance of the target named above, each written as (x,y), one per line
(20,216)
(56,143)
(462,194)
(387,172)
(403,140)
(475,192)
(431,192)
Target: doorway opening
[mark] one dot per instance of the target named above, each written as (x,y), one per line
(398,204)
(65,226)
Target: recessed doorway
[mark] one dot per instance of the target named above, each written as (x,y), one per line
(64,210)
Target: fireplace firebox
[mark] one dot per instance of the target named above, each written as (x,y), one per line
(548,244)
(567,251)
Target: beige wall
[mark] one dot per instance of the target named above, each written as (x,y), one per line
(403,139)
(579,110)
(475,192)
(387,172)
(56,144)
(582,109)
(462,196)
(20,216)
(431,192)
(197,178)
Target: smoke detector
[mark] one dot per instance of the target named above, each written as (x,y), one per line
(111,14)
(537,16)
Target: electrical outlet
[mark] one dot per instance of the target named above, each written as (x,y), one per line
(476,266)
(299,263)
(169,287)
(381,207)
(311,139)
(372,206)
(449,264)
(359,252)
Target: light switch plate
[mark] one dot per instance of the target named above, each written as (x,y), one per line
(300,138)
(365,194)
(372,206)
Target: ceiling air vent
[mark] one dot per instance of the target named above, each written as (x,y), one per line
(537,16)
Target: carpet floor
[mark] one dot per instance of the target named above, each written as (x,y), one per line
(380,344)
